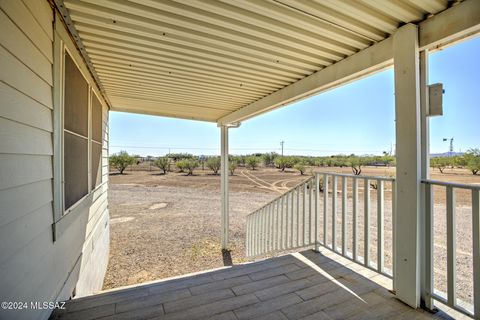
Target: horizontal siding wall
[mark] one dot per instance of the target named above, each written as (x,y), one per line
(32,266)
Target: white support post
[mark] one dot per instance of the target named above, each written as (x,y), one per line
(426,240)
(224,186)
(407,112)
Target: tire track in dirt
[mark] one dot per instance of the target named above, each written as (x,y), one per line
(260,182)
(284,182)
(279,186)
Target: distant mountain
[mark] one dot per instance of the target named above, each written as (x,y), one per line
(446,154)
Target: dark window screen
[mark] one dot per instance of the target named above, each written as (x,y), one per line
(75,134)
(96,119)
(76,99)
(75,168)
(96,164)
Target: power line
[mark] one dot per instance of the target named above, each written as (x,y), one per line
(249,148)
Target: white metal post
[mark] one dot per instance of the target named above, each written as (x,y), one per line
(426,240)
(407,114)
(476,251)
(224,185)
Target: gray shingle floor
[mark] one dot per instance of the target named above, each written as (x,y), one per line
(305,285)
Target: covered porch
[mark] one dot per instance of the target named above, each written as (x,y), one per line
(303,285)
(229,62)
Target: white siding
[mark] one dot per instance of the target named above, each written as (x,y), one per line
(33,267)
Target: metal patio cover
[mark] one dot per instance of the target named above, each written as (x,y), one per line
(225,61)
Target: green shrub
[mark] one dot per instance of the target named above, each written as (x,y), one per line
(252,162)
(202,160)
(300,167)
(241,160)
(181,165)
(163,163)
(356,164)
(439,163)
(472,160)
(190,165)
(284,162)
(232,165)
(213,163)
(121,161)
(269,158)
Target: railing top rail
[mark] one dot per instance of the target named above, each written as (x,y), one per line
(357,177)
(283,194)
(452,184)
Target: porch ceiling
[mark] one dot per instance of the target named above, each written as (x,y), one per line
(205,59)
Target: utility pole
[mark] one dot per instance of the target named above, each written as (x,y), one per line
(281,144)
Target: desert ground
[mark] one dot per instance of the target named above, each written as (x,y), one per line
(169,225)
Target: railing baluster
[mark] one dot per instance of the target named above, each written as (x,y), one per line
(344,216)
(380,226)
(354,218)
(277,225)
(451,247)
(259,239)
(292,196)
(264,223)
(476,251)
(366,224)
(287,205)
(298,216)
(317,203)
(325,209)
(304,214)
(428,284)
(254,235)
(334,214)
(271,226)
(310,212)
(282,222)
(267,227)
(258,232)
(248,236)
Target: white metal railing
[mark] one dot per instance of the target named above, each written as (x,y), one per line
(282,223)
(303,217)
(450,299)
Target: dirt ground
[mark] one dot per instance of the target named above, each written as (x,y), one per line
(168,225)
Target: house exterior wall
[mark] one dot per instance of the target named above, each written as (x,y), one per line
(35,266)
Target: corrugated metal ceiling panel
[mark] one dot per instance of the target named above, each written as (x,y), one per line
(203,59)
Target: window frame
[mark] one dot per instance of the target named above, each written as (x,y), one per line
(63,217)
(72,207)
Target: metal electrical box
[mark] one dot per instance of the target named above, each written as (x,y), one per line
(435,98)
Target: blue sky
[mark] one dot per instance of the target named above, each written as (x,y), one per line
(355,118)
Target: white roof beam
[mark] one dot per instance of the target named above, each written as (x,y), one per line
(460,21)
(363,63)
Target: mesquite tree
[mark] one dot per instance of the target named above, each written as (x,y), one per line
(121,161)
(213,164)
(163,163)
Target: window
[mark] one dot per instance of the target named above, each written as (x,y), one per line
(82,135)
(75,139)
(97,138)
